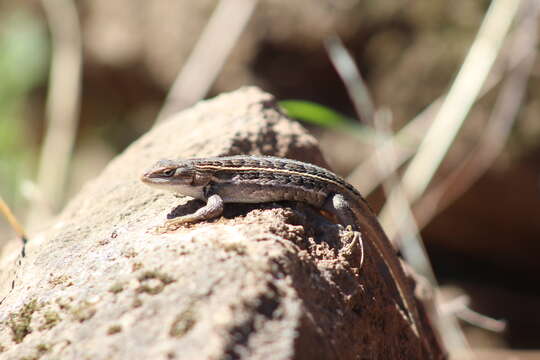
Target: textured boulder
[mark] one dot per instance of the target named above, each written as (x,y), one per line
(263,281)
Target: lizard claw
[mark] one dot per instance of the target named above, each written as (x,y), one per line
(168,226)
(356,241)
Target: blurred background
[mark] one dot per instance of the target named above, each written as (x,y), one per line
(80,80)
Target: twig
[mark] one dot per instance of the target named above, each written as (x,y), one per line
(207,58)
(406,140)
(460,307)
(411,245)
(354,83)
(413,250)
(63,100)
(480,320)
(461,96)
(359,92)
(499,125)
(456,105)
(411,134)
(12,220)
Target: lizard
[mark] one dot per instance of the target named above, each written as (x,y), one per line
(259,179)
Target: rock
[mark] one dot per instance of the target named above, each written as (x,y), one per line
(263,281)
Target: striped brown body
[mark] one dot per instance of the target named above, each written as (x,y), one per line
(248,179)
(256,179)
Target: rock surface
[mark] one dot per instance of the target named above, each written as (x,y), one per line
(264,281)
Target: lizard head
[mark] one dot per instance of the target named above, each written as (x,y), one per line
(180,176)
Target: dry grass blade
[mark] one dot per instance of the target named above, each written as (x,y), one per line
(460,307)
(413,249)
(225,26)
(411,244)
(461,96)
(355,84)
(359,93)
(12,220)
(402,146)
(63,101)
(456,106)
(499,125)
(407,139)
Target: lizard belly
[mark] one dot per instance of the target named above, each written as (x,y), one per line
(257,193)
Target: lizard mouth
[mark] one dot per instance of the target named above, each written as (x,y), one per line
(145,178)
(148,179)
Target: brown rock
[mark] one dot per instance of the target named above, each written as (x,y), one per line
(265,281)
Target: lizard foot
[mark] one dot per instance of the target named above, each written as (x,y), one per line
(356,241)
(170,225)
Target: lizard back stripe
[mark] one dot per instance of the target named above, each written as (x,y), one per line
(280,171)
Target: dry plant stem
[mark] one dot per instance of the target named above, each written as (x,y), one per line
(481,321)
(407,138)
(227,23)
(411,134)
(354,83)
(499,125)
(456,105)
(412,246)
(12,220)
(63,100)
(461,96)
(460,307)
(359,93)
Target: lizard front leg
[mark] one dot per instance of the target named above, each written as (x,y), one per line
(212,209)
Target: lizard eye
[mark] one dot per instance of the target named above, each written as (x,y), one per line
(168,172)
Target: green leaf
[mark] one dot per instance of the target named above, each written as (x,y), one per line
(320,115)
(313,113)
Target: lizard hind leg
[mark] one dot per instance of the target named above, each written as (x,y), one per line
(339,207)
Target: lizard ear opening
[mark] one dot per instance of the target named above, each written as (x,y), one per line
(200,179)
